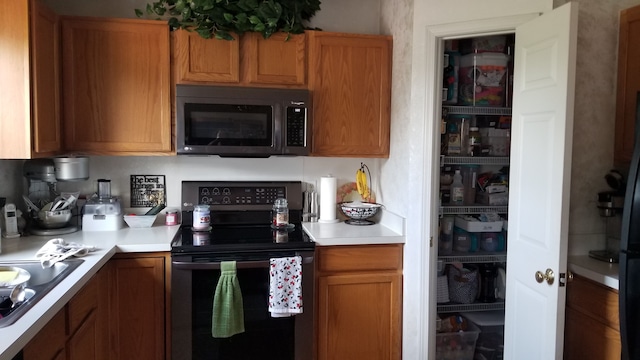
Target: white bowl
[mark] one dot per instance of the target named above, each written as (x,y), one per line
(140,221)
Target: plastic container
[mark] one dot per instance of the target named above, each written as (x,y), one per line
(482,79)
(457,345)
(445,243)
(461,240)
(457,189)
(475,142)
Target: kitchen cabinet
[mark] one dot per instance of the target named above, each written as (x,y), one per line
(74,332)
(30,72)
(249,60)
(359,306)
(628,86)
(592,329)
(135,296)
(116,86)
(350,82)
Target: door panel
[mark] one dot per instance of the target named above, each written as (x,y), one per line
(540,177)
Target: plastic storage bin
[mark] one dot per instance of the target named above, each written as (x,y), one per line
(482,79)
(457,345)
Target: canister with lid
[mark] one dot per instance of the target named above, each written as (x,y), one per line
(280,213)
(201,217)
(171,217)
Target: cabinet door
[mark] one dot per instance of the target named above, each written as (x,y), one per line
(359,317)
(205,60)
(278,60)
(136,307)
(350,80)
(116,77)
(49,343)
(45,71)
(627,101)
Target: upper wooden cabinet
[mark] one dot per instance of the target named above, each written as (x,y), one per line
(359,302)
(30,73)
(350,81)
(628,94)
(116,86)
(250,60)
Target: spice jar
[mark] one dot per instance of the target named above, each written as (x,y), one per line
(280,213)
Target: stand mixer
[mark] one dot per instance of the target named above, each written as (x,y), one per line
(49,212)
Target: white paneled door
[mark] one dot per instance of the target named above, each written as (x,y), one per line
(540,176)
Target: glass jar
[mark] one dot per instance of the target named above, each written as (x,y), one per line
(171,218)
(280,213)
(201,217)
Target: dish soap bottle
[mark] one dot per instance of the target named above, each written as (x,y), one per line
(457,189)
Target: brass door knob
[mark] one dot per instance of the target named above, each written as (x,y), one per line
(547,275)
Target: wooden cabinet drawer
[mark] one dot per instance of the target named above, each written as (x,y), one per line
(82,304)
(595,300)
(360,258)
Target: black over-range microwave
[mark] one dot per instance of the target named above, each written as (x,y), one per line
(242,122)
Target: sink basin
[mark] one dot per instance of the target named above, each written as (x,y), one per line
(38,285)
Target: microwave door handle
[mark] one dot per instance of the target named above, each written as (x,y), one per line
(185,265)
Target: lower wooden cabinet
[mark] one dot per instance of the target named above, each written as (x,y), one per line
(121,313)
(73,333)
(134,297)
(592,326)
(359,306)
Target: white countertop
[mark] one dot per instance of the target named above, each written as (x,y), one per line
(327,234)
(15,336)
(599,271)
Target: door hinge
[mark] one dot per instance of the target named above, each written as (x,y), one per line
(430,241)
(563,280)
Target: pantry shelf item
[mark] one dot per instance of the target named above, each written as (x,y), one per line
(359,212)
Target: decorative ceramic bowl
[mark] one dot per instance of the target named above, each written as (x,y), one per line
(359,212)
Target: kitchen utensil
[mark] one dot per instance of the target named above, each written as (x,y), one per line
(17,295)
(30,204)
(57,204)
(359,212)
(65,204)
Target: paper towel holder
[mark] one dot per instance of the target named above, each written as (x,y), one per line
(328,203)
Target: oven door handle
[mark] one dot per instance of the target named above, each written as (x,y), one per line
(186,265)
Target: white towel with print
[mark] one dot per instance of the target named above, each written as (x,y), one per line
(285,286)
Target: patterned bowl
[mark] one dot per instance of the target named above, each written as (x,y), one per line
(358,210)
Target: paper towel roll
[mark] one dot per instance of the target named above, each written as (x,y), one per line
(328,189)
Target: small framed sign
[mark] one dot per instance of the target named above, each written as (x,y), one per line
(148,190)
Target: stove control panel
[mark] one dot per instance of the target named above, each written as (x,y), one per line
(240,195)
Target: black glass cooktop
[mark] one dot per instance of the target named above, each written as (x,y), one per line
(226,238)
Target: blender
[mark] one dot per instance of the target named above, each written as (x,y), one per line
(610,206)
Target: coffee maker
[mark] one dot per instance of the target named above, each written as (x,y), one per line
(610,206)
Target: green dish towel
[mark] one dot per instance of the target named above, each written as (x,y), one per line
(228,315)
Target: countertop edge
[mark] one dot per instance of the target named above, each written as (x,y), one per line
(599,271)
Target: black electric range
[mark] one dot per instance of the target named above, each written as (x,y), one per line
(241,219)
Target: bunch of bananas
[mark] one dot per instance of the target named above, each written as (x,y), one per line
(361,182)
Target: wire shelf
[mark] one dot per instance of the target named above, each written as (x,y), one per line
(445,308)
(478,110)
(474,160)
(473,209)
(479,257)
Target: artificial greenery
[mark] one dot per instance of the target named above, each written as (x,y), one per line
(218,18)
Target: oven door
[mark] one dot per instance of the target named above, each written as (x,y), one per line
(194,279)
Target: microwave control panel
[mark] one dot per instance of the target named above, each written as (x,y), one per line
(296,126)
